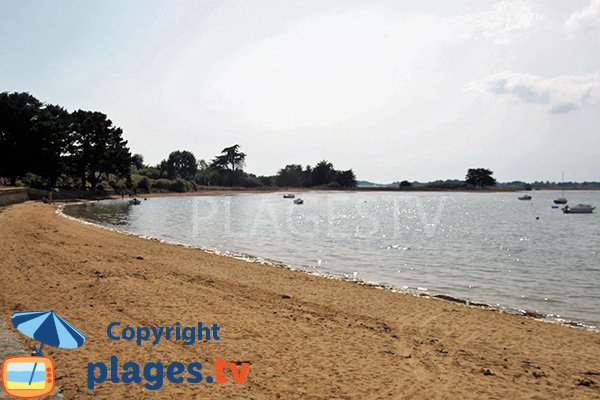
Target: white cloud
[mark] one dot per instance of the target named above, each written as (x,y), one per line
(586,21)
(561,94)
(350,69)
(502,23)
(334,70)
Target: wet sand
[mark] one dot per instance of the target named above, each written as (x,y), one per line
(306,337)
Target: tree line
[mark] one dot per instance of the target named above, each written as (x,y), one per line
(476,178)
(49,145)
(44,145)
(323,174)
(181,171)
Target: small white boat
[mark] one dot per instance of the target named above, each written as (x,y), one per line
(560,200)
(526,197)
(289,196)
(579,209)
(298,201)
(135,202)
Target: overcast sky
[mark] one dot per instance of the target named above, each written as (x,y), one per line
(416,90)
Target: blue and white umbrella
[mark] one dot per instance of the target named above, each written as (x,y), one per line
(48,328)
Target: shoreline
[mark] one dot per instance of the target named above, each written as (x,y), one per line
(236,190)
(533,314)
(362,341)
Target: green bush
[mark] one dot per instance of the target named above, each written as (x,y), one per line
(162,184)
(144,185)
(104,186)
(119,185)
(32,180)
(251,181)
(178,185)
(266,180)
(172,185)
(150,172)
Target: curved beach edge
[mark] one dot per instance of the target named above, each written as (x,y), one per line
(290,326)
(532,314)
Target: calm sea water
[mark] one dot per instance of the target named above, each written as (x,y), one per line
(485,247)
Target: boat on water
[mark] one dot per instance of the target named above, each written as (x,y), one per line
(579,209)
(561,199)
(526,197)
(298,201)
(135,202)
(289,196)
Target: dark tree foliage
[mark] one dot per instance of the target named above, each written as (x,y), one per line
(180,164)
(18,115)
(229,167)
(323,174)
(290,176)
(51,132)
(405,184)
(345,179)
(47,141)
(226,177)
(480,178)
(307,176)
(231,159)
(137,161)
(266,180)
(97,148)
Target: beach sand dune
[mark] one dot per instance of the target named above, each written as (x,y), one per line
(306,337)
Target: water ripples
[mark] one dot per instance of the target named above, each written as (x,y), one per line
(486,247)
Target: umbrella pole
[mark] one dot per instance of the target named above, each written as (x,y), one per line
(32,372)
(38,352)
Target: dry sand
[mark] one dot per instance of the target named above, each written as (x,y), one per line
(306,337)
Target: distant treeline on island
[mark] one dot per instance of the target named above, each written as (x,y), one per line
(462,184)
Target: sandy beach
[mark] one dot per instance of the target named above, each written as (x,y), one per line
(305,337)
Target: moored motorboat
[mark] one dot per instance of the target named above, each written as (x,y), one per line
(526,197)
(135,202)
(579,209)
(560,200)
(298,201)
(289,196)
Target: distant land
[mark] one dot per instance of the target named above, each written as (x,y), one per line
(454,183)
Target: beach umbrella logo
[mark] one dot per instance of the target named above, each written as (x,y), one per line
(33,376)
(48,328)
